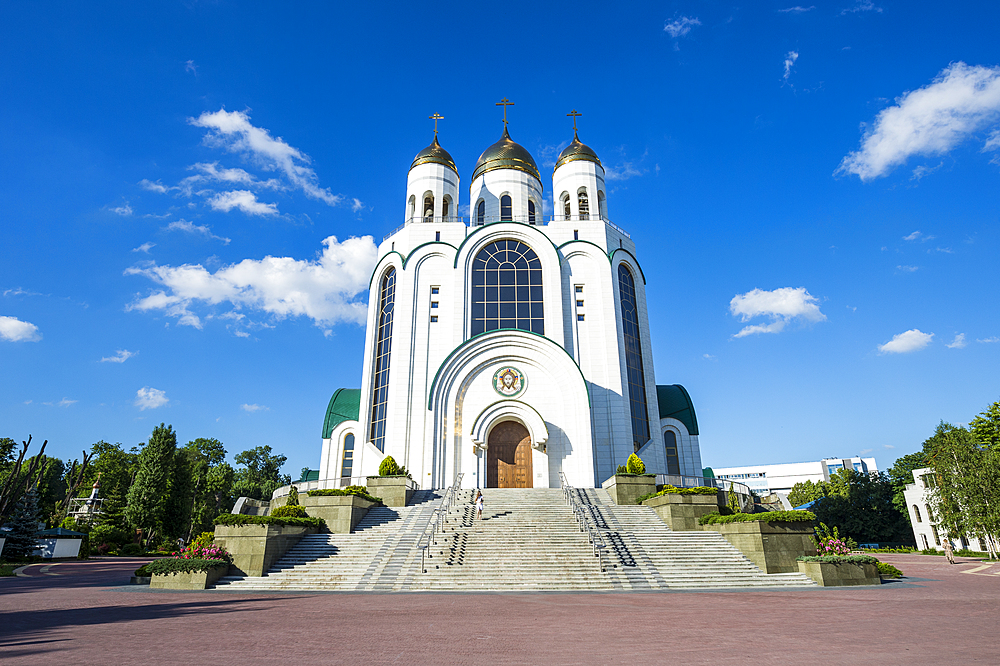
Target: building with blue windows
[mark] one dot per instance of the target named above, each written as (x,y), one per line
(509,346)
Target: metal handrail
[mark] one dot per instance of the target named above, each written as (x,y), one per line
(436,522)
(742,490)
(594,535)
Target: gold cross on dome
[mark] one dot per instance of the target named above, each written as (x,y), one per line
(575,115)
(505,103)
(436,117)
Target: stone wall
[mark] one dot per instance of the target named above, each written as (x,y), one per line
(626,489)
(774,547)
(839,574)
(255,548)
(681,512)
(187,581)
(394,490)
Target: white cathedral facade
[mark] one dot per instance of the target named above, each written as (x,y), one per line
(508,346)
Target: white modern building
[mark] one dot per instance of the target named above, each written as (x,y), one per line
(779,478)
(508,346)
(919,496)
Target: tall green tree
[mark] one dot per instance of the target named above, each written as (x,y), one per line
(807,491)
(901,474)
(148,494)
(861,505)
(261,474)
(985,427)
(116,466)
(22,539)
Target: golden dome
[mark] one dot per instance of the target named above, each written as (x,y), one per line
(577,151)
(505,154)
(434,153)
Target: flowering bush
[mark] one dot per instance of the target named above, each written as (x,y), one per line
(210,552)
(828,541)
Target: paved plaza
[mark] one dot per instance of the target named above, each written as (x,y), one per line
(83,613)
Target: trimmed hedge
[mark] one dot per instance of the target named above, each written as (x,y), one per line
(335,492)
(238,520)
(672,490)
(289,511)
(839,559)
(180,565)
(716,518)
(889,571)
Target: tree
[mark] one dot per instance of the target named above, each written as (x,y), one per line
(50,486)
(261,475)
(901,474)
(16,480)
(986,427)
(116,466)
(148,494)
(861,506)
(22,540)
(807,491)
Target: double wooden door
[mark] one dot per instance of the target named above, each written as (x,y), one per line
(508,456)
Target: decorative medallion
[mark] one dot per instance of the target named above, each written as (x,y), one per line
(508,381)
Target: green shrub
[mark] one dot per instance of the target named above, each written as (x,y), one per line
(143,570)
(360,491)
(731,500)
(388,467)
(289,511)
(621,470)
(7,570)
(889,571)
(204,539)
(716,518)
(110,535)
(634,465)
(236,520)
(671,490)
(293,497)
(180,565)
(131,550)
(84,553)
(840,559)
(901,549)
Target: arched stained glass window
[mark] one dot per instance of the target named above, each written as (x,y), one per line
(347,463)
(670,444)
(507,288)
(383,345)
(505,208)
(633,358)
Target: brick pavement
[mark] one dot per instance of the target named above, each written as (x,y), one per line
(81,613)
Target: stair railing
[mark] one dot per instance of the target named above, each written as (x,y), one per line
(436,522)
(583,519)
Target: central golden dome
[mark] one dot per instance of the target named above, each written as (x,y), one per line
(435,153)
(505,154)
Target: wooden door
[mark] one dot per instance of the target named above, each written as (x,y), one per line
(508,456)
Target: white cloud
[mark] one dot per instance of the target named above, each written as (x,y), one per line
(992,141)
(790,59)
(924,170)
(150,398)
(624,172)
(797,10)
(904,343)
(932,120)
(66,402)
(233,131)
(13,329)
(888,446)
(679,27)
(780,305)
(862,6)
(708,357)
(917,235)
(189,66)
(153,187)
(907,269)
(124,210)
(324,289)
(245,200)
(988,340)
(356,205)
(958,343)
(192,228)
(254,408)
(145,247)
(864,451)
(120,356)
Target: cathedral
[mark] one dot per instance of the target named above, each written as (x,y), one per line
(509,346)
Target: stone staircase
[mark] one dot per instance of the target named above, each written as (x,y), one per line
(528,539)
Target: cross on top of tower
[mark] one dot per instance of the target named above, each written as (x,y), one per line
(436,117)
(505,103)
(575,114)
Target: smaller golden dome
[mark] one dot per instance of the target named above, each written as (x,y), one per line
(505,154)
(436,154)
(577,151)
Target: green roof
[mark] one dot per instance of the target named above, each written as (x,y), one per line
(675,403)
(345,405)
(310,475)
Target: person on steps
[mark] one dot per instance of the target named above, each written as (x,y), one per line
(479,505)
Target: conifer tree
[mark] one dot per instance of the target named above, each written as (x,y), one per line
(148,494)
(22,540)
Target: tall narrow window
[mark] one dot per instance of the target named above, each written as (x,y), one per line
(507,288)
(428,209)
(916,512)
(383,345)
(633,358)
(670,444)
(445,206)
(413,205)
(602,205)
(481,213)
(566,208)
(531,211)
(505,208)
(347,464)
(583,203)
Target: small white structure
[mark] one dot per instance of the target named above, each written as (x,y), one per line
(59,542)
(928,535)
(779,478)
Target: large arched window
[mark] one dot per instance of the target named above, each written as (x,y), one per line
(670,445)
(507,288)
(505,208)
(916,512)
(347,463)
(481,213)
(633,358)
(383,345)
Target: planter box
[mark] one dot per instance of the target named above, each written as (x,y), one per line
(394,490)
(681,512)
(627,488)
(342,513)
(255,548)
(140,580)
(829,574)
(187,581)
(774,547)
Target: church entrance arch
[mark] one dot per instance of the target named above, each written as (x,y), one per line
(508,456)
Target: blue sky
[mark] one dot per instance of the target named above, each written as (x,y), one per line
(186,190)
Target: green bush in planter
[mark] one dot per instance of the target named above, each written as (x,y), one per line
(293,497)
(290,511)
(388,467)
(889,571)
(634,465)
